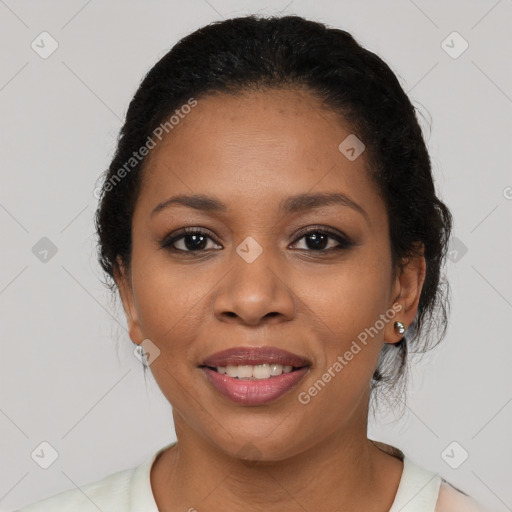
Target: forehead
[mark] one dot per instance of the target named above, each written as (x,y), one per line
(254,147)
(260,125)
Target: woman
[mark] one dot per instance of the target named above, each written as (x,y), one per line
(270,222)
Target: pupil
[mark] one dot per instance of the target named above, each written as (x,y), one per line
(318,239)
(198,242)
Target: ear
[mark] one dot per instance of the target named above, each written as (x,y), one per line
(124,285)
(406,292)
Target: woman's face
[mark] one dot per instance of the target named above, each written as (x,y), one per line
(263,272)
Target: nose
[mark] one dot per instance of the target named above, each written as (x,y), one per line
(255,292)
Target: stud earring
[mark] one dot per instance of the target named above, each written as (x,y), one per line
(399,327)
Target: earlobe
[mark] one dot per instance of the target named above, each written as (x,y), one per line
(123,282)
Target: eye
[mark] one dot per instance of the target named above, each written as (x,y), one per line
(317,240)
(188,240)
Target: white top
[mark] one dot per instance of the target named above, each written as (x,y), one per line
(129,490)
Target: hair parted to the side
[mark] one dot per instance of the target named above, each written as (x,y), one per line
(252,52)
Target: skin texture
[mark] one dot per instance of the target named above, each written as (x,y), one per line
(251,152)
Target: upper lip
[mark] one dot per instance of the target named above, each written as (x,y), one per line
(253,356)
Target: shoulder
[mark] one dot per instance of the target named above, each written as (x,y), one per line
(129,490)
(423,490)
(452,499)
(108,494)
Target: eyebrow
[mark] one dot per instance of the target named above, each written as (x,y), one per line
(292,204)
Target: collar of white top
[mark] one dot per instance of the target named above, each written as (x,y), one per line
(418,489)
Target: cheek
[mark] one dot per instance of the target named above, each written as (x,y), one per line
(350,305)
(350,297)
(170,302)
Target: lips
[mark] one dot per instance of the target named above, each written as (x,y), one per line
(254,356)
(288,370)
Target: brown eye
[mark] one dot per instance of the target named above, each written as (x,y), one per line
(188,240)
(323,240)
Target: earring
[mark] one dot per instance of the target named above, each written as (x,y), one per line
(399,327)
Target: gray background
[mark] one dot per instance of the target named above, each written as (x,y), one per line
(68,375)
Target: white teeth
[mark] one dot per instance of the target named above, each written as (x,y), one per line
(259,371)
(232,371)
(244,371)
(276,369)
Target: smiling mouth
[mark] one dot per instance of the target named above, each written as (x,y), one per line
(255,363)
(254,391)
(255,372)
(254,376)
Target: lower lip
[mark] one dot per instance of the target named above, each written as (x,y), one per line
(254,392)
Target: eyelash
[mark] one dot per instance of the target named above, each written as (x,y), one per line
(344,241)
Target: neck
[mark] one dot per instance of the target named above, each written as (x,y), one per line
(345,471)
